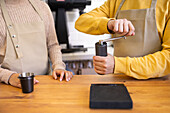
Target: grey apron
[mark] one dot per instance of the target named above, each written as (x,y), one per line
(26,49)
(146,39)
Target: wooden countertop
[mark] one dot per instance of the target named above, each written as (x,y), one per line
(53,96)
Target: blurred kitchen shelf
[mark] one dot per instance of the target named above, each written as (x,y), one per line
(87,55)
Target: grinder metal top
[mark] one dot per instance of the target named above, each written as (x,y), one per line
(110,39)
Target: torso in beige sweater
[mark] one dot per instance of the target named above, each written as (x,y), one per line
(21,11)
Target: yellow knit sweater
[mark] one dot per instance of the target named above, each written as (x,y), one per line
(150,66)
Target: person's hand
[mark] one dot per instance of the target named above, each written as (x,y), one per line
(68,75)
(14,80)
(122,27)
(103,65)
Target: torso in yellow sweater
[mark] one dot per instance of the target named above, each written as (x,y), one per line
(150,66)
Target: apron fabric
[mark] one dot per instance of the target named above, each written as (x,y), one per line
(26,49)
(146,39)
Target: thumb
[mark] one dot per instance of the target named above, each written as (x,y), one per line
(109,54)
(54,75)
(18,85)
(35,81)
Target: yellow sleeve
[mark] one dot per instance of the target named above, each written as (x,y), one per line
(150,66)
(94,22)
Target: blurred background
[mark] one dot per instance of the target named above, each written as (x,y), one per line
(79,62)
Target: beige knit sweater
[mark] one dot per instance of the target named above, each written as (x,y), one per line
(21,11)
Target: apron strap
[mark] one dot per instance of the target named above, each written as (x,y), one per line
(10,26)
(153,4)
(36,8)
(11,30)
(121,4)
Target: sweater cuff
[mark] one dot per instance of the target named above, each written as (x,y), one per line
(6,75)
(120,65)
(103,25)
(60,66)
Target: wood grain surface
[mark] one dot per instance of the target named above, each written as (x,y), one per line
(53,96)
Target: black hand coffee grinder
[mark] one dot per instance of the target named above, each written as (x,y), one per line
(101,46)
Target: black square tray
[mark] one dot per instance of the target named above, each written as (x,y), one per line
(110,96)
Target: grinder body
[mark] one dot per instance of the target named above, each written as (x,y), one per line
(101,49)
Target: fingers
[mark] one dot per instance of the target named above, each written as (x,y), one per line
(36,81)
(122,26)
(100,64)
(132,29)
(61,75)
(99,67)
(103,65)
(54,75)
(18,85)
(99,72)
(99,59)
(67,74)
(125,26)
(14,81)
(115,26)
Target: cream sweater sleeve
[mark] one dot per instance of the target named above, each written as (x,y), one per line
(52,43)
(5,75)
(54,50)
